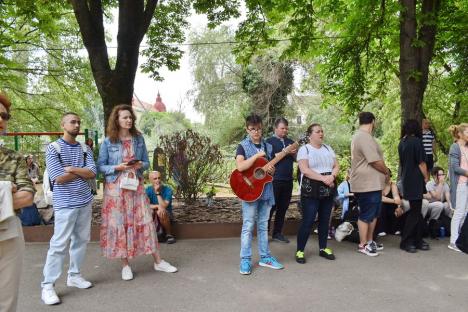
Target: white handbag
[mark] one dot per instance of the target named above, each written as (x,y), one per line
(6,198)
(129,181)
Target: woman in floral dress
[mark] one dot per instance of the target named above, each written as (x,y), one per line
(127,228)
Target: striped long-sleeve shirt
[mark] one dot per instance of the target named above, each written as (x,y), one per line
(75,193)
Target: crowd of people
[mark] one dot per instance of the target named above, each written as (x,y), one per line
(373,205)
(132,213)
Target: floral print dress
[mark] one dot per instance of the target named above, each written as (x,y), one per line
(127,228)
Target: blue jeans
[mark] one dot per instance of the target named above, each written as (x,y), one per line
(258,211)
(70,224)
(310,207)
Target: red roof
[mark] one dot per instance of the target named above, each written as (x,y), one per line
(158,106)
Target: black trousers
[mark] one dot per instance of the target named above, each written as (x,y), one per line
(429,162)
(414,225)
(283,192)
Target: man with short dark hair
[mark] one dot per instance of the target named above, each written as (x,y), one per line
(367,179)
(440,195)
(68,166)
(16,188)
(282,179)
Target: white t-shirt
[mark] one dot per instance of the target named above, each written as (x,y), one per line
(321,159)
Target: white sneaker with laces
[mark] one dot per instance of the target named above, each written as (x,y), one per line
(49,296)
(127,273)
(78,282)
(165,267)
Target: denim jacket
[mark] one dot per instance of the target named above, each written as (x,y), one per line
(110,155)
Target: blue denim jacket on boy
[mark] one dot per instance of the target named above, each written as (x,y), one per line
(110,155)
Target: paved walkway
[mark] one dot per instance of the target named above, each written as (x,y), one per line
(208,280)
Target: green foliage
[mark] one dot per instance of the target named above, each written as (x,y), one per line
(157,124)
(217,91)
(196,160)
(268,83)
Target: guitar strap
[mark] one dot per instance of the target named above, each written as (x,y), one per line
(268,156)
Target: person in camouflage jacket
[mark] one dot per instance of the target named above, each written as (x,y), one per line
(13,169)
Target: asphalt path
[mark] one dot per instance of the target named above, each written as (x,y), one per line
(209,280)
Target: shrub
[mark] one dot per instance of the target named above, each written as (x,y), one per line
(194,161)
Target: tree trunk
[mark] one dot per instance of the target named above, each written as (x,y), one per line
(416,51)
(115,86)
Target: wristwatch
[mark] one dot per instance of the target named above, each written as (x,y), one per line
(158,194)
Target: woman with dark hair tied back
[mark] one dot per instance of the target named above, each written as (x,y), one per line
(319,168)
(413,177)
(127,228)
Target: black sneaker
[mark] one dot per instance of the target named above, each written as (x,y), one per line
(300,257)
(327,253)
(280,238)
(170,239)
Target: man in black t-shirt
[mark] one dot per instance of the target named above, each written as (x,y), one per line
(283,178)
(413,177)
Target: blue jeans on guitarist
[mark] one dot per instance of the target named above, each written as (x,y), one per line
(257,211)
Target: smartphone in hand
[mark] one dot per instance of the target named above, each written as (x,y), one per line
(132,162)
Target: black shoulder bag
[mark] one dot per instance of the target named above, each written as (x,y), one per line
(316,189)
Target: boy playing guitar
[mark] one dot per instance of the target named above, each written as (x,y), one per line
(249,150)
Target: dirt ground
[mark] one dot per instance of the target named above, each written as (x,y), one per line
(221,210)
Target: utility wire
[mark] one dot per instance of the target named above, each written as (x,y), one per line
(183,44)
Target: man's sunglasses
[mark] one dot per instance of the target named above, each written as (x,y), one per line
(5,116)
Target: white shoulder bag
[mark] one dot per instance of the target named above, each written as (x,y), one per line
(6,198)
(129,181)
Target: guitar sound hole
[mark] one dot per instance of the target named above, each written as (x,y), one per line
(259,174)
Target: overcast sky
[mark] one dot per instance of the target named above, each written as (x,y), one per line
(174,88)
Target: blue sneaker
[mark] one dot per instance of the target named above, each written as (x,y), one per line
(270,262)
(245,267)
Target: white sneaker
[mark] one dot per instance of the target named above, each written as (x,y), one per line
(381,234)
(49,296)
(454,247)
(127,273)
(78,282)
(165,267)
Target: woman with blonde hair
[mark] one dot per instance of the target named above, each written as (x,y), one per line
(127,228)
(458,174)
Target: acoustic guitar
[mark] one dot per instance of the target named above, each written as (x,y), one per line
(248,185)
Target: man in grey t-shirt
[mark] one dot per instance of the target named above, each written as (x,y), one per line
(440,194)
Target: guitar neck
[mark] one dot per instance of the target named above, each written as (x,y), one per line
(280,155)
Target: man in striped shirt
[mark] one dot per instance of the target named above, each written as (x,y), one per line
(68,166)
(428,138)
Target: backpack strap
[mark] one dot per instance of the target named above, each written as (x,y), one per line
(57,148)
(84,147)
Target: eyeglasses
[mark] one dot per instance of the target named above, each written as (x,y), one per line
(5,115)
(255,130)
(441,175)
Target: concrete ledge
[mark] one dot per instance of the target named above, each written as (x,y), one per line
(181,231)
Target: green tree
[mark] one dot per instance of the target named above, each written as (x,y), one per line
(361,45)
